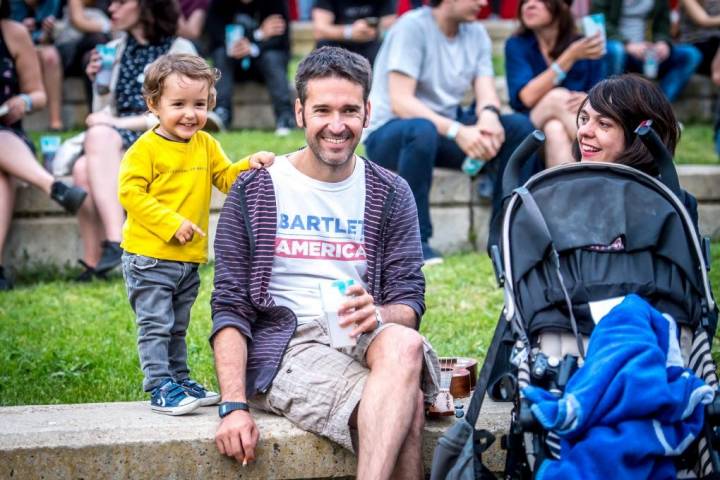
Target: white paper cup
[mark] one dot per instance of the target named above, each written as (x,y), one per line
(332,296)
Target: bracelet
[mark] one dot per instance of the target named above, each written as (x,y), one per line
(258,35)
(28,102)
(560,74)
(493,109)
(347,32)
(453,130)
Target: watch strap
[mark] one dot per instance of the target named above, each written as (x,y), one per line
(226,408)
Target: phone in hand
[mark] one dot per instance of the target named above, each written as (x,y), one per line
(4,109)
(374,22)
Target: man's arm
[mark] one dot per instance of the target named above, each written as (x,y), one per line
(237,435)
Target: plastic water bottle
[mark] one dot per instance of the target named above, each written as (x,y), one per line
(104,75)
(650,67)
(472,166)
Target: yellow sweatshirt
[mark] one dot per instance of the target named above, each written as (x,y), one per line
(162,183)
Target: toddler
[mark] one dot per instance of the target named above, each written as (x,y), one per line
(166,180)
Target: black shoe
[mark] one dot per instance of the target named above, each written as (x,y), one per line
(69,197)
(88,274)
(111,257)
(5,283)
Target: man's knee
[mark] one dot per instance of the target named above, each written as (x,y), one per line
(517,126)
(400,346)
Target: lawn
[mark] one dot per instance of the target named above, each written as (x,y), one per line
(67,343)
(696,145)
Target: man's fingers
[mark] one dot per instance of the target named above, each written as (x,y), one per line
(220,445)
(236,447)
(249,440)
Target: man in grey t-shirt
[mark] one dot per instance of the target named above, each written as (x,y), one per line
(427,62)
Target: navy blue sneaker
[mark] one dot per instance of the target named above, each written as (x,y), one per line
(194,389)
(172,399)
(430,256)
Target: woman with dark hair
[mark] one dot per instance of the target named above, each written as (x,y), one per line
(607,120)
(119,117)
(21,91)
(549,67)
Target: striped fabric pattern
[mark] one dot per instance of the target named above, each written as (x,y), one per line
(244,250)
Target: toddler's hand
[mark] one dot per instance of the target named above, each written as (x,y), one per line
(187,231)
(261,159)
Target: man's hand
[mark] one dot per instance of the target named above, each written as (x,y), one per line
(363,32)
(637,49)
(237,436)
(662,50)
(272,26)
(48,25)
(187,231)
(240,49)
(359,310)
(261,159)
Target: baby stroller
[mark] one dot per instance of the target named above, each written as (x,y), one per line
(572,237)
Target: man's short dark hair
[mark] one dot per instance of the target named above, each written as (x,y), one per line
(435,3)
(333,62)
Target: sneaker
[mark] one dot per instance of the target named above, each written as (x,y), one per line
(5,283)
(284,127)
(206,397)
(110,258)
(88,274)
(214,123)
(430,256)
(171,399)
(70,198)
(485,187)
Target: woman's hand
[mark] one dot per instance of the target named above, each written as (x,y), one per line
(662,50)
(637,49)
(587,48)
(93,66)
(240,49)
(272,26)
(16,110)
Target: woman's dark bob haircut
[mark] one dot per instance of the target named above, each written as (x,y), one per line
(628,100)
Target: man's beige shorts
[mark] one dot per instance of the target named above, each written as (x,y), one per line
(317,387)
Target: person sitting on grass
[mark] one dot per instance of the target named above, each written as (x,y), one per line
(165,186)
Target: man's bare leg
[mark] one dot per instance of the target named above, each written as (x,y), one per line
(388,409)
(409,463)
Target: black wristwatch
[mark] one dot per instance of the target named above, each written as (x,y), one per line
(493,109)
(226,408)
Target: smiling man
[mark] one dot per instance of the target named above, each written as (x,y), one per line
(323,214)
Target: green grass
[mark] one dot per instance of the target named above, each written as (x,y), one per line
(66,343)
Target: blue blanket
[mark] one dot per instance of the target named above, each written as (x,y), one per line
(630,408)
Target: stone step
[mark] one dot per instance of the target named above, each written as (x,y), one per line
(43,234)
(127,440)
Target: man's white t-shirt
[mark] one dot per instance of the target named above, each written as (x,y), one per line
(319,236)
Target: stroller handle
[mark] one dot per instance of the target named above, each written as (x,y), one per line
(663,157)
(511,176)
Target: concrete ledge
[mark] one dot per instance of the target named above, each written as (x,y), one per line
(42,232)
(127,440)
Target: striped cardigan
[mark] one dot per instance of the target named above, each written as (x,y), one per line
(244,251)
